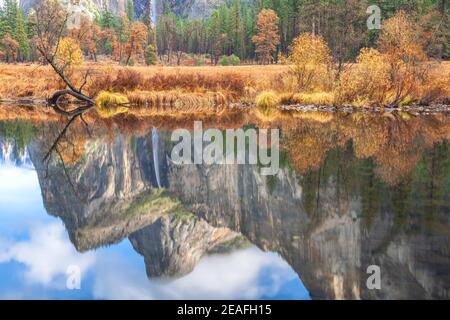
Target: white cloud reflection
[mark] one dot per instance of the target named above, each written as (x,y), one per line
(232,276)
(46,254)
(120,274)
(18,187)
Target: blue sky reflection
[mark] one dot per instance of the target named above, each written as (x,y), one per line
(35,253)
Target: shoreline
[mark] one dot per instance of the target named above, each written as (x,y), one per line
(413,109)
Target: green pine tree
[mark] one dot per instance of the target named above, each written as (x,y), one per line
(130,10)
(21,36)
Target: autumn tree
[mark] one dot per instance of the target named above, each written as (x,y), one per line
(69,53)
(267,38)
(137,41)
(365,82)
(401,43)
(10,48)
(311,61)
(88,34)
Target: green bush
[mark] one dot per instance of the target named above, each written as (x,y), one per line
(223,61)
(232,60)
(150,55)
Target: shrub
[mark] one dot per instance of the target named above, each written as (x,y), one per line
(198,61)
(232,60)
(108,104)
(366,82)
(127,79)
(223,61)
(233,83)
(267,100)
(434,89)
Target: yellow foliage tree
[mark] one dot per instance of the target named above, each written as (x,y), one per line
(69,53)
(365,83)
(400,39)
(401,43)
(311,61)
(395,75)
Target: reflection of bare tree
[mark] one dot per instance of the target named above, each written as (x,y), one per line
(68,146)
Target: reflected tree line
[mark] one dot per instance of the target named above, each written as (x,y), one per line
(397,160)
(354,189)
(394,163)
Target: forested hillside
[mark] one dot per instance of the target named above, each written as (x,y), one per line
(229,29)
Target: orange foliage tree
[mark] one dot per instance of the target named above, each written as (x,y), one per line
(401,43)
(88,35)
(137,40)
(10,48)
(267,38)
(396,74)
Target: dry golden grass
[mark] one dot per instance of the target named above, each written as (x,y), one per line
(162,89)
(37,81)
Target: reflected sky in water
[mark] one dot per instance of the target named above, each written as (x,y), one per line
(35,253)
(353,191)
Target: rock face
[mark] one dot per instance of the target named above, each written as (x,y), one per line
(99,197)
(188,8)
(172,246)
(182,8)
(320,228)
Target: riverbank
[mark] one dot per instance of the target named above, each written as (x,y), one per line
(158,89)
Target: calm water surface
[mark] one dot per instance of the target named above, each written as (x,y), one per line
(353,191)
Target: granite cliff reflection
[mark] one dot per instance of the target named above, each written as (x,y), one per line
(355,190)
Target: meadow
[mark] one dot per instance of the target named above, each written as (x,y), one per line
(154,90)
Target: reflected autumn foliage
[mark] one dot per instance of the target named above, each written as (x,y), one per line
(394,141)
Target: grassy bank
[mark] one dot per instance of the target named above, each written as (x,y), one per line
(155,90)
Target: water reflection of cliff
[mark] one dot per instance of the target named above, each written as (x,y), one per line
(354,190)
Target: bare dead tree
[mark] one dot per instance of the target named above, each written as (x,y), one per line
(50,24)
(50,20)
